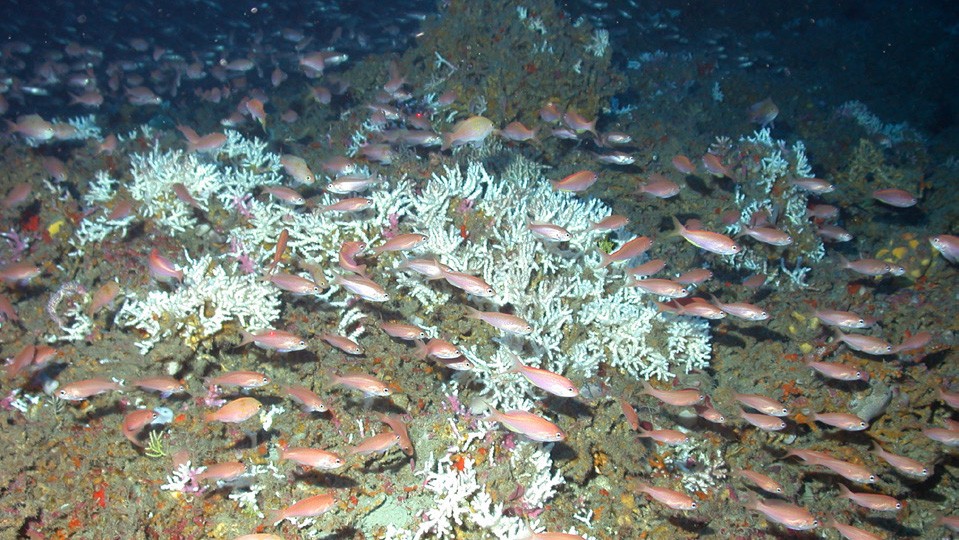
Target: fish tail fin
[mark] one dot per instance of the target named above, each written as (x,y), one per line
(247,338)
(607,259)
(678,229)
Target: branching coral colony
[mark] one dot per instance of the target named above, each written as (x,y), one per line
(581,314)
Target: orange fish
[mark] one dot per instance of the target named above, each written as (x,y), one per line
(235,411)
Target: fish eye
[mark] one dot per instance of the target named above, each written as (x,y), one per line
(316,289)
(862,425)
(785,410)
(302,342)
(693,505)
(872,478)
(489,291)
(735,249)
(898,506)
(779,490)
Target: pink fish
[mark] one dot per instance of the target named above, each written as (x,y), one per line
(167,386)
(763,112)
(353,204)
(658,186)
(207,143)
(376,444)
(295,284)
(548,231)
(710,414)
(437,348)
(662,287)
(672,499)
(762,404)
(297,168)
(950,398)
(872,501)
(913,342)
(469,283)
(762,421)
(347,257)
(308,507)
(285,194)
(309,401)
(789,515)
(833,233)
(850,471)
(633,248)
(549,113)
(312,457)
(845,421)
(768,235)
(895,197)
(225,471)
(714,166)
(710,241)
(948,437)
(19,272)
(679,398)
(103,296)
(471,130)
(576,182)
(684,165)
(80,390)
(528,424)
(694,276)
(629,412)
(902,464)
(504,321)
(947,245)
(402,242)
(553,383)
(134,422)
(236,411)
(866,344)
(577,123)
(403,331)
(368,384)
(764,482)
(844,319)
(362,287)
(610,223)
(647,268)
(867,267)
(400,429)
(850,532)
(669,437)
(242,379)
(342,343)
(428,267)
(278,340)
(515,131)
(813,185)
(745,311)
(33,127)
(836,371)
(17,195)
(255,108)
(162,268)
(22,359)
(822,211)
